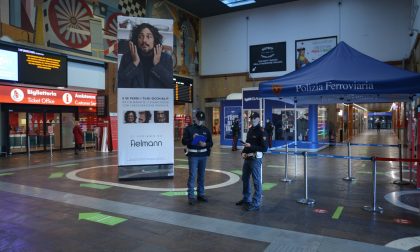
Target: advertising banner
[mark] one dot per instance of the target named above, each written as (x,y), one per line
(267,58)
(309,50)
(145,98)
(230,114)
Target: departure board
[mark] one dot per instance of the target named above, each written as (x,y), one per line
(183,89)
(42,68)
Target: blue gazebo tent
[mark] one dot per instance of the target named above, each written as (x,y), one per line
(344,75)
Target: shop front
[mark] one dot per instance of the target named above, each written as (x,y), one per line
(35,119)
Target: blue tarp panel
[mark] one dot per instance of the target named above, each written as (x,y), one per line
(347,73)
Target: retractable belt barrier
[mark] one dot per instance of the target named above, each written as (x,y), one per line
(373,207)
(349,168)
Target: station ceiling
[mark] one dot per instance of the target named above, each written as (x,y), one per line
(208,8)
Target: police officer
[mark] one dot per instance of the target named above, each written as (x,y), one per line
(198,140)
(269,128)
(255,145)
(235,134)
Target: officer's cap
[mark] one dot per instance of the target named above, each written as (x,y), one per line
(255,115)
(200,116)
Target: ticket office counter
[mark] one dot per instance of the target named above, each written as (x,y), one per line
(28,127)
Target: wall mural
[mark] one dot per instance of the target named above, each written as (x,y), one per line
(67,24)
(186,34)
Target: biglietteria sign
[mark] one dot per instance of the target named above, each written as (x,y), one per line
(22,95)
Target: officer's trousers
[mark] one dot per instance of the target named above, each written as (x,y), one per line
(252,167)
(197,168)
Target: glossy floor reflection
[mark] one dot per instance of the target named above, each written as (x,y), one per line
(40,205)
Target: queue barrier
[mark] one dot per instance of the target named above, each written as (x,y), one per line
(349,176)
(306,200)
(371,208)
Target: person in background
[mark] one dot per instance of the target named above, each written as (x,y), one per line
(378,125)
(78,137)
(235,134)
(255,145)
(197,152)
(269,129)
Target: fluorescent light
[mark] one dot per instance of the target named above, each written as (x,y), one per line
(235,3)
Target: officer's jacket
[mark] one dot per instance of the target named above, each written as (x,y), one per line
(187,139)
(257,138)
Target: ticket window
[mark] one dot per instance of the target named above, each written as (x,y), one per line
(17,132)
(36,131)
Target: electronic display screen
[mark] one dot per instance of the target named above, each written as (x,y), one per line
(183,89)
(8,65)
(42,68)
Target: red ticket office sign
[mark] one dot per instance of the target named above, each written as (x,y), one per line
(40,96)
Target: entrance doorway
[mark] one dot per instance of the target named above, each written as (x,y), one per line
(39,128)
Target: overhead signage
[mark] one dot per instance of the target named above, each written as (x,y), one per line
(251,98)
(183,89)
(38,96)
(42,68)
(267,57)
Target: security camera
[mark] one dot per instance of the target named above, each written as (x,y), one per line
(411,34)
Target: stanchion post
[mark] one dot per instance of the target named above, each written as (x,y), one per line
(374,208)
(401,181)
(286,162)
(306,200)
(51,145)
(349,177)
(29,146)
(84,140)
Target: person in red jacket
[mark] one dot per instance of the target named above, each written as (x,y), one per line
(78,137)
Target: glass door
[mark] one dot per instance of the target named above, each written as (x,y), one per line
(17,132)
(67,129)
(36,131)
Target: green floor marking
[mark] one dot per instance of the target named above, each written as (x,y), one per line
(56,175)
(276,166)
(95,186)
(337,213)
(182,160)
(268,186)
(220,153)
(181,166)
(65,165)
(238,172)
(368,172)
(6,174)
(101,218)
(174,194)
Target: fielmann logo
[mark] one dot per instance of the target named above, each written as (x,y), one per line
(145,143)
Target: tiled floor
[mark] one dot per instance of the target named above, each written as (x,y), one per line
(40,206)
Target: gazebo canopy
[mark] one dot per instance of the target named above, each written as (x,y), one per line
(344,75)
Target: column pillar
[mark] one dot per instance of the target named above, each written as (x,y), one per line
(313,124)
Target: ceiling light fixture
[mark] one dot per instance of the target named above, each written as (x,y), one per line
(235,3)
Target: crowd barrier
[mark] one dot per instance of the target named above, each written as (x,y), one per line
(371,208)
(349,176)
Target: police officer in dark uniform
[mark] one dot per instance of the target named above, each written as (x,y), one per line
(235,134)
(198,140)
(269,128)
(255,145)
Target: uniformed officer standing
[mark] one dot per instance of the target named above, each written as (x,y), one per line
(235,134)
(255,145)
(198,139)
